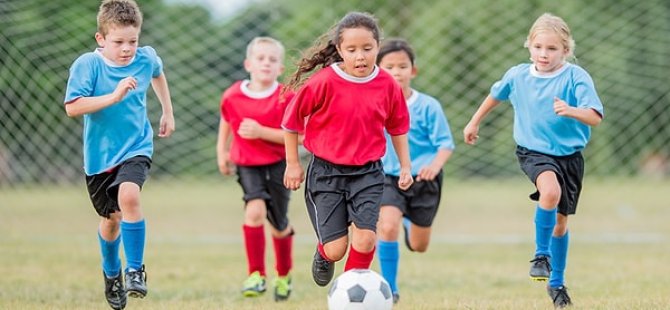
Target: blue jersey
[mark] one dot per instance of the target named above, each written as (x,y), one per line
(121,130)
(428,132)
(536,125)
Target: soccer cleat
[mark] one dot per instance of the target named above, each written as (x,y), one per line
(114,291)
(396,297)
(559,295)
(540,268)
(406,224)
(322,270)
(282,288)
(254,285)
(136,283)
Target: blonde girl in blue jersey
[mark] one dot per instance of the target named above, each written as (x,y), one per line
(555,105)
(430,146)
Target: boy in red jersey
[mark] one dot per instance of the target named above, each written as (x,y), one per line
(349,103)
(251,111)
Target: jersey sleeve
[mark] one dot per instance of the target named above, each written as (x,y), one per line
(585,92)
(440,133)
(300,107)
(502,88)
(398,121)
(81,81)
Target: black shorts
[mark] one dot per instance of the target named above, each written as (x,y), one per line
(337,195)
(419,203)
(569,171)
(267,182)
(103,188)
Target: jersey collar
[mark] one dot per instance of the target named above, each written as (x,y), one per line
(352,78)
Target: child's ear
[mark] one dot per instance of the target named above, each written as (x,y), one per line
(100,39)
(246,65)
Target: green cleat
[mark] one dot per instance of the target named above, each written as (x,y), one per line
(254,285)
(282,288)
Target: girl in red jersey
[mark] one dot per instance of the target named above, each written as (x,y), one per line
(251,111)
(348,103)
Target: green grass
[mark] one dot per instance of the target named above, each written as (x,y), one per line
(483,239)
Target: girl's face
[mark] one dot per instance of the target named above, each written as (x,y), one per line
(358,49)
(120,43)
(547,52)
(399,65)
(264,63)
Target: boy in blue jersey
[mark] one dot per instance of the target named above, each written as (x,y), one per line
(555,104)
(430,146)
(108,87)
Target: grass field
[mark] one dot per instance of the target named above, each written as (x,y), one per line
(483,238)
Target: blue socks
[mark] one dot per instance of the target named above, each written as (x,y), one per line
(133,235)
(389,253)
(559,257)
(111,263)
(545,220)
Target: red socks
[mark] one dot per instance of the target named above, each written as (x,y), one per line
(358,260)
(254,242)
(283,258)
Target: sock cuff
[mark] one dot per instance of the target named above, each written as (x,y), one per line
(113,242)
(133,225)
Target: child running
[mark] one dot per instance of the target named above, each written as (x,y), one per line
(343,109)
(251,111)
(555,104)
(430,146)
(108,86)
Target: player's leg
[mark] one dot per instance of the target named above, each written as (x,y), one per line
(420,213)
(254,245)
(549,191)
(281,231)
(388,249)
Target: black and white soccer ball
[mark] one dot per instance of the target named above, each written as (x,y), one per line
(361,289)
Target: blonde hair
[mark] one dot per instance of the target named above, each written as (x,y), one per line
(555,24)
(270,40)
(118,13)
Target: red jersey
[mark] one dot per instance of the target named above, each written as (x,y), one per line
(265,107)
(347,115)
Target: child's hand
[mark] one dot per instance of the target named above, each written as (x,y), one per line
(405,179)
(561,107)
(123,87)
(471,133)
(166,126)
(249,129)
(427,173)
(225,166)
(293,176)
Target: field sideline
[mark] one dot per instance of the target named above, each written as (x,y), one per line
(49,256)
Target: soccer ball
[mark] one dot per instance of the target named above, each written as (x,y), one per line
(360,289)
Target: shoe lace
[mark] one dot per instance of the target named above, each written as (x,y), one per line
(562,296)
(136,276)
(116,287)
(542,260)
(322,264)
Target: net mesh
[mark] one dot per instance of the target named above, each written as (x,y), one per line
(462,47)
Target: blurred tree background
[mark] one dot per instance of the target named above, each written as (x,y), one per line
(462,48)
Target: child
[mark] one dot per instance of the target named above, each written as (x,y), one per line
(430,145)
(252,111)
(555,103)
(108,87)
(349,102)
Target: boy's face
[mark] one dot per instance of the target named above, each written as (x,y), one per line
(264,63)
(358,49)
(399,65)
(120,43)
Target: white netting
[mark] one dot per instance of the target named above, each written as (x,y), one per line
(462,48)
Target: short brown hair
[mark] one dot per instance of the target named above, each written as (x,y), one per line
(118,13)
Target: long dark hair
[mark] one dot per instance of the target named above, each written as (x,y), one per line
(323,52)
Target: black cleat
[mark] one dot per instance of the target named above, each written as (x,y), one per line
(114,291)
(540,268)
(136,283)
(559,295)
(396,297)
(322,270)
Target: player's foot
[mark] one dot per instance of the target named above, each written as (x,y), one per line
(540,268)
(559,295)
(136,283)
(254,285)
(396,297)
(322,270)
(282,288)
(406,224)
(114,291)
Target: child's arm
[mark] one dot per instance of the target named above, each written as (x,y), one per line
(85,105)
(431,171)
(294,174)
(587,116)
(401,147)
(251,129)
(223,148)
(162,91)
(471,130)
